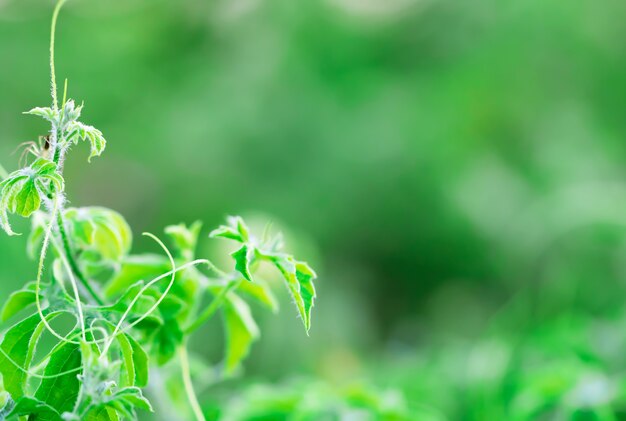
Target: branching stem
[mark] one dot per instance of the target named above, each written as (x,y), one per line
(212,308)
(73,265)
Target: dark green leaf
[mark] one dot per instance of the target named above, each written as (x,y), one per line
(60,392)
(35,409)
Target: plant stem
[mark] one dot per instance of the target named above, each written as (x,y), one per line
(53,79)
(212,308)
(72,261)
(191,394)
(3,172)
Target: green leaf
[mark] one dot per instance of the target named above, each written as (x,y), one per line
(135,267)
(17,301)
(167,339)
(78,131)
(102,232)
(126,400)
(243,258)
(18,347)
(35,409)
(102,414)
(27,199)
(21,191)
(61,392)
(45,112)
(141,306)
(141,361)
(241,331)
(299,277)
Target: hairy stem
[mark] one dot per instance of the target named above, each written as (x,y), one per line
(212,308)
(70,258)
(53,79)
(191,394)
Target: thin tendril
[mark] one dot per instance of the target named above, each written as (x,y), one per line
(119,325)
(79,308)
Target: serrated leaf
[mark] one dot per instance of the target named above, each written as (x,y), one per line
(45,112)
(241,331)
(141,360)
(61,392)
(143,266)
(78,131)
(299,277)
(243,258)
(135,361)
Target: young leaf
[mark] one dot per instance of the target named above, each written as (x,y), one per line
(185,238)
(78,131)
(241,331)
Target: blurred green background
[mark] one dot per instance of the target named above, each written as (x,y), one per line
(453,169)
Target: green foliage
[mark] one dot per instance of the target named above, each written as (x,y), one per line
(131,311)
(298,275)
